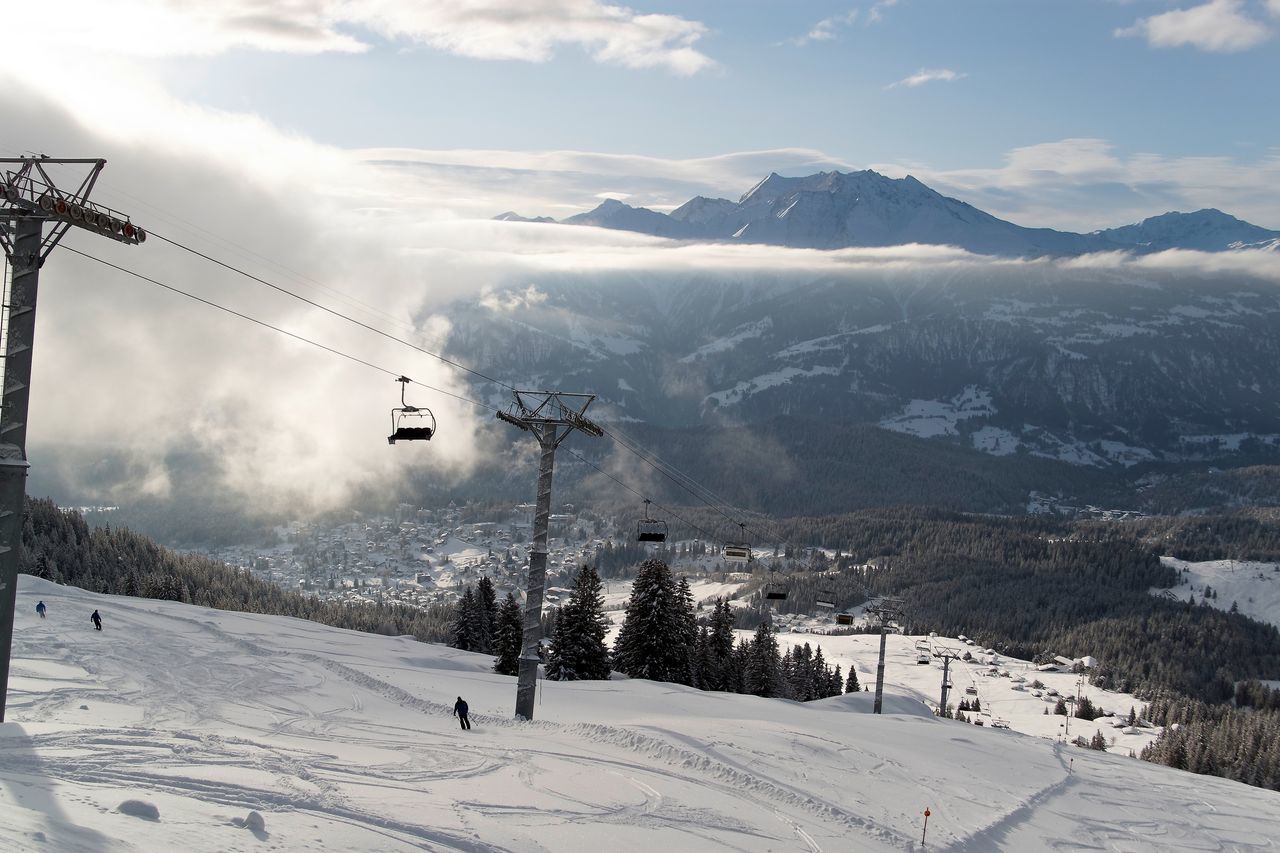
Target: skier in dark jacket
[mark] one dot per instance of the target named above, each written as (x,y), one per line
(97,620)
(40,608)
(460,711)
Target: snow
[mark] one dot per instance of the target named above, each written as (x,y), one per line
(996,441)
(728,342)
(931,418)
(344,741)
(769,380)
(1253,587)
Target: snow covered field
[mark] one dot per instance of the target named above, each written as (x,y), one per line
(344,741)
(1253,587)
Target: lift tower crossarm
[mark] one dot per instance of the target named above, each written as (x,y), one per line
(29,197)
(550,416)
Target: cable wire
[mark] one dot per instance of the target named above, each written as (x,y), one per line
(274,328)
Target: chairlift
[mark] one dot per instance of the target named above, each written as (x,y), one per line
(826,598)
(774,591)
(650,529)
(738,552)
(844,618)
(410,423)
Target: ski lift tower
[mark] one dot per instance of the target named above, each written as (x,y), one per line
(947,654)
(550,416)
(887,610)
(29,197)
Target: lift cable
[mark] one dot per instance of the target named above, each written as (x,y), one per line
(684,481)
(274,328)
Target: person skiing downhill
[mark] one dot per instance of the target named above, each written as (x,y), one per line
(40,608)
(460,711)
(97,620)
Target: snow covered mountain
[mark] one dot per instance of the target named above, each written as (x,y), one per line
(1207,230)
(1102,367)
(835,210)
(183,728)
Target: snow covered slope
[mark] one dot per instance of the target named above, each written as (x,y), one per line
(344,741)
(1253,587)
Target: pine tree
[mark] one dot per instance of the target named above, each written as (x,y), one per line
(463,632)
(648,645)
(578,650)
(508,637)
(722,671)
(487,613)
(761,674)
(851,686)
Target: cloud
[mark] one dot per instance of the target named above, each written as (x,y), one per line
(1273,6)
(393,237)
(527,30)
(927,75)
(826,29)
(1084,184)
(876,15)
(1219,26)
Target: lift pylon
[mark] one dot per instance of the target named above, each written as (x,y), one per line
(30,198)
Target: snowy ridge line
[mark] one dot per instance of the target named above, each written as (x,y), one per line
(734,779)
(95,769)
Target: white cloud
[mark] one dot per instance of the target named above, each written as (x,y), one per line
(927,75)
(1218,25)
(1273,6)
(529,30)
(876,15)
(1083,184)
(826,29)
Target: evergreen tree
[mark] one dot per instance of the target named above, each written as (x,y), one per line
(722,675)
(648,645)
(508,637)
(761,672)
(487,613)
(465,623)
(851,686)
(578,650)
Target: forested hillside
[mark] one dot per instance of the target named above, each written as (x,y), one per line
(60,546)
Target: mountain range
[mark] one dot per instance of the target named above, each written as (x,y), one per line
(837,210)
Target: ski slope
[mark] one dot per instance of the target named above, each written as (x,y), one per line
(344,741)
(1253,587)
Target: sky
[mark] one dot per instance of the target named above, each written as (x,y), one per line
(1082,114)
(356,150)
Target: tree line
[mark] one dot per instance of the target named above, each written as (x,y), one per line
(662,639)
(60,546)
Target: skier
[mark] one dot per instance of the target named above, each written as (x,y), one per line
(460,711)
(40,608)
(97,620)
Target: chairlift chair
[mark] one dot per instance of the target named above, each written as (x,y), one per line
(738,552)
(410,423)
(844,619)
(826,598)
(650,529)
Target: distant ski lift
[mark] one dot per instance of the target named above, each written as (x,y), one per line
(774,591)
(738,552)
(922,657)
(650,529)
(826,598)
(844,618)
(410,423)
